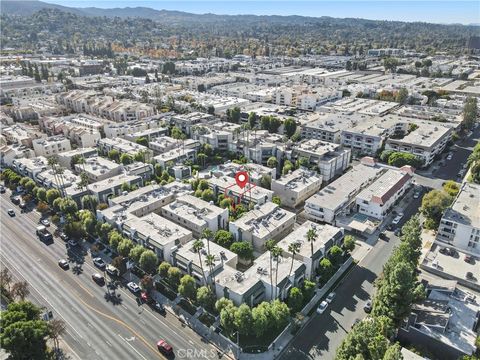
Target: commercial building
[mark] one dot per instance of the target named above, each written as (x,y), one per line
(196,214)
(296,187)
(460,224)
(264,222)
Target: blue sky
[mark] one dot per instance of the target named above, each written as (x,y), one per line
(465,12)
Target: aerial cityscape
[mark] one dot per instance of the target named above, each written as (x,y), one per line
(232,180)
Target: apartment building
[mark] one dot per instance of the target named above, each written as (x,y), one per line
(124,147)
(378,198)
(164,144)
(196,214)
(255,171)
(263,222)
(126,129)
(329,159)
(9,153)
(338,198)
(23,86)
(140,202)
(30,167)
(296,187)
(249,194)
(304,97)
(175,156)
(255,285)
(21,134)
(156,233)
(460,224)
(66,182)
(98,168)
(107,188)
(218,139)
(187,259)
(327,236)
(67,159)
(245,91)
(51,146)
(186,122)
(427,141)
(149,134)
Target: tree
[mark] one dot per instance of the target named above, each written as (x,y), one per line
(114,155)
(147,283)
(269,246)
(390,63)
(187,287)
(233,115)
(5,279)
(41,194)
(349,243)
(222,303)
(308,289)
(20,290)
(400,159)
(174,275)
(148,261)
(68,206)
(311,238)
(295,299)
(335,254)
(287,167)
(205,297)
(114,239)
(434,203)
(126,159)
(252,120)
(368,339)
(207,195)
(243,319)
(163,269)
(119,263)
(224,238)
(272,162)
(261,317)
(243,249)
(227,319)
(89,202)
(56,328)
(394,352)
(290,127)
(74,229)
(30,185)
(125,246)
(266,181)
(276,200)
(451,188)
(22,334)
(325,270)
(136,252)
(51,195)
(177,133)
(280,314)
(470,112)
(198,246)
(402,96)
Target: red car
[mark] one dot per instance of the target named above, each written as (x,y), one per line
(164,347)
(146,298)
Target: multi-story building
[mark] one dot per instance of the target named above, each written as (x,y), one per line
(264,222)
(124,147)
(218,139)
(98,168)
(196,214)
(9,153)
(21,134)
(107,188)
(187,121)
(326,237)
(460,224)
(249,194)
(51,146)
(175,156)
(378,198)
(149,134)
(296,187)
(67,159)
(330,159)
(30,167)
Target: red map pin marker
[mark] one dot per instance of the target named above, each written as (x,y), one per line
(241,178)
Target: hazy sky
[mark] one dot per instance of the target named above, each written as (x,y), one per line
(465,12)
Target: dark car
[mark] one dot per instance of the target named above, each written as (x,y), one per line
(11,212)
(2,189)
(99,279)
(159,308)
(16,200)
(468,259)
(63,264)
(164,347)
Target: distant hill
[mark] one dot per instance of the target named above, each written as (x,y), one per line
(29,7)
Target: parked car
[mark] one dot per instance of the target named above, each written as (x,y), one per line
(416,194)
(164,347)
(398,232)
(22,205)
(469,275)
(468,259)
(159,308)
(98,262)
(98,278)
(112,270)
(11,212)
(368,306)
(397,219)
(330,297)
(133,287)
(63,264)
(72,242)
(448,251)
(322,307)
(2,189)
(146,298)
(45,222)
(64,236)
(383,236)
(449,156)
(16,200)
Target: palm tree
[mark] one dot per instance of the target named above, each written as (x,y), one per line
(311,238)
(210,261)
(269,245)
(52,162)
(293,248)
(198,245)
(276,253)
(208,235)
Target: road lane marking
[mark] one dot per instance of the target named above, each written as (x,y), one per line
(127,340)
(108,343)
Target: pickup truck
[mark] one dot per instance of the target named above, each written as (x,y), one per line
(44,234)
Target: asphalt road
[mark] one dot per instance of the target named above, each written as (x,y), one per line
(322,336)
(96,328)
